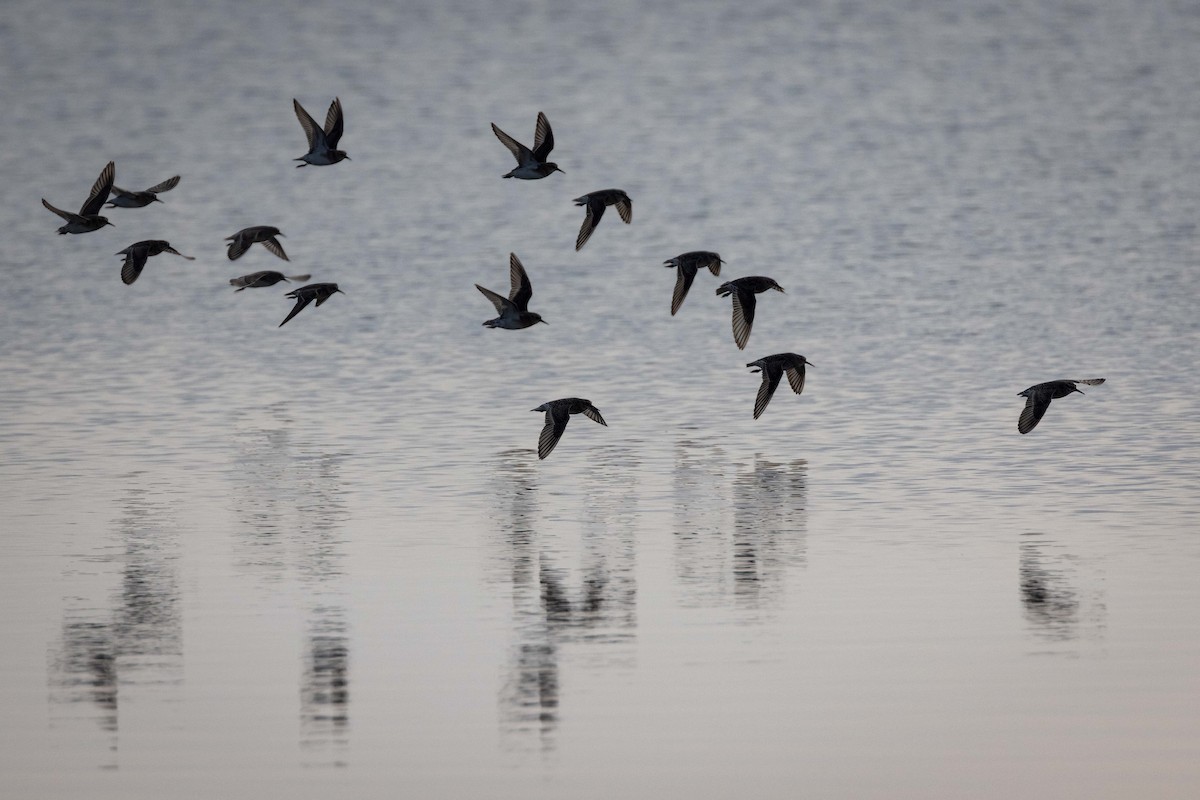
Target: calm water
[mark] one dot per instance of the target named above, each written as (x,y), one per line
(324,560)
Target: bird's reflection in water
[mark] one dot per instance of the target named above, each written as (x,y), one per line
(1057,611)
(748,566)
(325,686)
(589,612)
(289,498)
(130,639)
(769,530)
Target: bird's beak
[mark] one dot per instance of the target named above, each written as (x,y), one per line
(809,363)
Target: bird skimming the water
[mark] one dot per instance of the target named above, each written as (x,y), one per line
(772,369)
(743,291)
(558,413)
(306,294)
(267,277)
(88,219)
(531,164)
(596,203)
(126,199)
(240,242)
(687,265)
(138,253)
(1037,399)
(322,142)
(513,310)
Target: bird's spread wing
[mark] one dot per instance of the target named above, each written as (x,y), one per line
(499,301)
(593,413)
(1091,381)
(520,152)
(625,209)
(552,431)
(165,186)
(100,191)
(770,380)
(795,377)
(743,316)
(238,247)
(520,289)
(316,136)
(594,212)
(683,282)
(67,215)
(135,260)
(543,138)
(272,244)
(333,123)
(1035,408)
(301,302)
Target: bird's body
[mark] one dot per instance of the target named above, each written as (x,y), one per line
(122,198)
(89,219)
(531,163)
(686,266)
(267,277)
(744,302)
(322,142)
(558,413)
(1038,397)
(306,294)
(596,202)
(772,369)
(240,242)
(513,310)
(138,253)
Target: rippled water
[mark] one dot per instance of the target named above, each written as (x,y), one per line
(324,558)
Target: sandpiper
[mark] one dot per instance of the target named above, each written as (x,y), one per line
(1038,399)
(88,219)
(137,254)
(595,202)
(743,291)
(126,199)
(531,164)
(267,277)
(322,142)
(558,413)
(306,294)
(240,242)
(772,369)
(687,265)
(513,310)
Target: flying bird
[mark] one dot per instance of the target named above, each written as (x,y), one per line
(596,203)
(558,413)
(687,265)
(88,219)
(240,242)
(513,310)
(306,294)
(126,199)
(267,277)
(322,142)
(531,164)
(1038,397)
(138,253)
(772,369)
(744,291)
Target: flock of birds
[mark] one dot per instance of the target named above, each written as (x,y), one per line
(512,310)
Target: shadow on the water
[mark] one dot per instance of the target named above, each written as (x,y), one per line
(1057,611)
(129,638)
(557,608)
(743,560)
(290,505)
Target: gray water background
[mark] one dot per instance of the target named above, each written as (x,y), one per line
(324,559)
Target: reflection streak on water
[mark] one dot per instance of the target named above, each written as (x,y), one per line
(556,609)
(1057,609)
(133,639)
